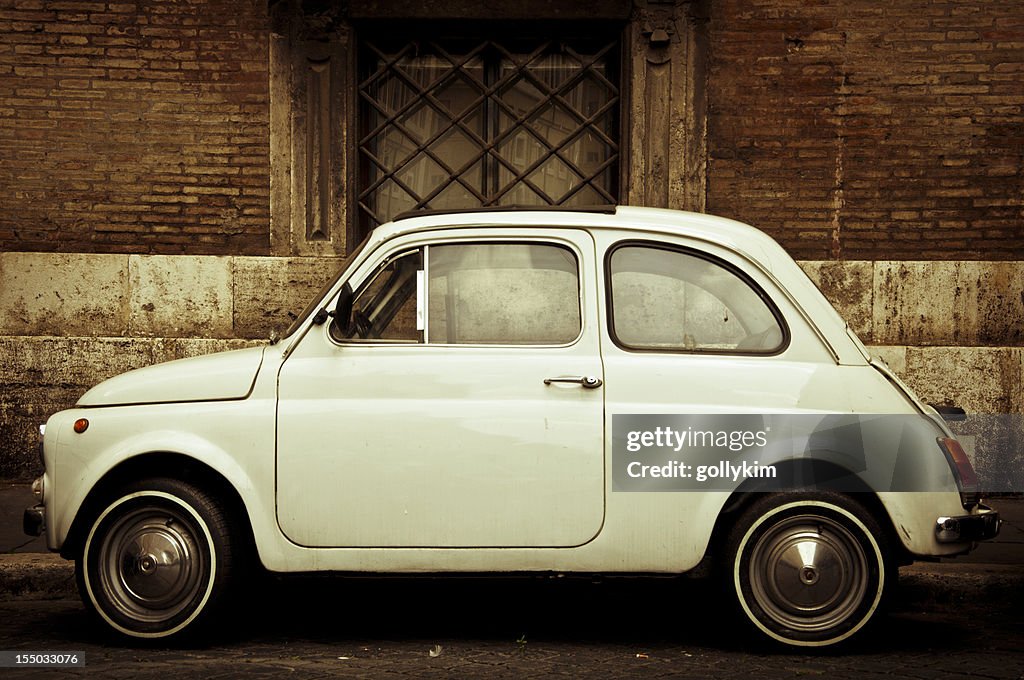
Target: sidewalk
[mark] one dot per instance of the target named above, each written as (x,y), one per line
(28,570)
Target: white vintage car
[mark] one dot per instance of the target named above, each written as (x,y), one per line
(470,395)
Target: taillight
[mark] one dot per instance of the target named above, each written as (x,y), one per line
(963,471)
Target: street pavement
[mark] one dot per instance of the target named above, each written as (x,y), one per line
(960,618)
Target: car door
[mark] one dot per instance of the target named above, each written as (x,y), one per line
(427,420)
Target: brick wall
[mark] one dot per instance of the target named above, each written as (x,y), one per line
(134,127)
(870,130)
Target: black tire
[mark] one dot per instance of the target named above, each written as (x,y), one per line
(157,560)
(809,569)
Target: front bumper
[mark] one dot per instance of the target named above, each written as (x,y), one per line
(968,528)
(33,522)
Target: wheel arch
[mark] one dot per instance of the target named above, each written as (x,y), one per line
(159,464)
(789,473)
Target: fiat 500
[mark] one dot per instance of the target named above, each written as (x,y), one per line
(616,391)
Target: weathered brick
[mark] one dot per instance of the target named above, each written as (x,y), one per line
(86,131)
(846,129)
(917,130)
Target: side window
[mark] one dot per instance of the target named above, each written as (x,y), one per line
(676,301)
(502,293)
(385,309)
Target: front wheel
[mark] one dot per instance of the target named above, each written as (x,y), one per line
(809,570)
(157,560)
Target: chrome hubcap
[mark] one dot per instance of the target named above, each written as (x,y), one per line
(808,572)
(150,563)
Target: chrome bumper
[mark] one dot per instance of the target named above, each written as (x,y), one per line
(965,528)
(33,522)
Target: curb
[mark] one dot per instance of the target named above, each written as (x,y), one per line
(36,576)
(47,576)
(952,585)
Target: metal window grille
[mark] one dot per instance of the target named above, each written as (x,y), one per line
(457,123)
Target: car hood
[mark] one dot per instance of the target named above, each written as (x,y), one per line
(213,377)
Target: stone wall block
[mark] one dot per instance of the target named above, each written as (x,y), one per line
(63,294)
(848,286)
(50,361)
(270,293)
(180,297)
(980,380)
(988,384)
(911,297)
(22,411)
(949,303)
(1000,301)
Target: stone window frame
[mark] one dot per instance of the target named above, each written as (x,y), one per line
(663,128)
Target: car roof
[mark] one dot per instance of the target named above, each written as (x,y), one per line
(606,209)
(735,235)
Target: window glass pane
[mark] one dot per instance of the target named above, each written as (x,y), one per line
(510,294)
(663,299)
(385,309)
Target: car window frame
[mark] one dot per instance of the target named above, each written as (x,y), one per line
(332,327)
(418,244)
(316,303)
(743,276)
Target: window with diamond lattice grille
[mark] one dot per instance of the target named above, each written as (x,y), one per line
(459,123)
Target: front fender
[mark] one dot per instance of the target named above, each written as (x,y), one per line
(234,439)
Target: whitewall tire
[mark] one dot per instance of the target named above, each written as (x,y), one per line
(809,570)
(157,559)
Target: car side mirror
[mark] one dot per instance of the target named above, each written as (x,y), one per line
(343,310)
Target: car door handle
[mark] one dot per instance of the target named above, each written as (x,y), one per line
(588,381)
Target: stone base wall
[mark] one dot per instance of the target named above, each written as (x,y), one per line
(41,375)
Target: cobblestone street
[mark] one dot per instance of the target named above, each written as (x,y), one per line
(314,628)
(961,618)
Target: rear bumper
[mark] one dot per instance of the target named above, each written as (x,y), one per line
(980,526)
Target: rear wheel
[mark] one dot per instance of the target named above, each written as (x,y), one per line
(809,570)
(157,560)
